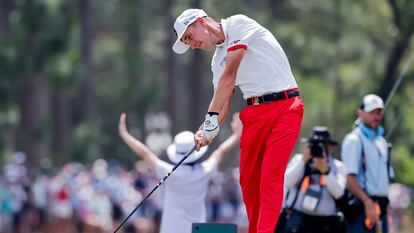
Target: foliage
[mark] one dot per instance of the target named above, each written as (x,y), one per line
(338,50)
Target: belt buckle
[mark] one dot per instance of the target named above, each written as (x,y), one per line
(255,101)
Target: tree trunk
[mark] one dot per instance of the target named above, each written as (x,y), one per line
(34,131)
(278,8)
(337,82)
(87,93)
(401,44)
(62,132)
(252,5)
(9,136)
(5,8)
(170,64)
(391,71)
(195,79)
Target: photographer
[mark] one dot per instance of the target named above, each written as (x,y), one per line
(313,180)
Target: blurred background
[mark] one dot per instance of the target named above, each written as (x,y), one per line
(68,68)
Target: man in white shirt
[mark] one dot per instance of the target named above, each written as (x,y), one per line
(186,189)
(247,55)
(314,181)
(366,156)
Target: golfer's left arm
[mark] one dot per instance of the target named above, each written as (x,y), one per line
(220,104)
(225,86)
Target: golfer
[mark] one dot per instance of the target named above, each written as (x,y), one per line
(247,55)
(186,189)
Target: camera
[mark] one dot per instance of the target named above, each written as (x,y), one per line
(317,149)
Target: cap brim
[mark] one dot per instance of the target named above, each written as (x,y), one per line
(179,47)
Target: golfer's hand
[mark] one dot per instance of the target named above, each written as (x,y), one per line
(201,140)
(211,126)
(122,129)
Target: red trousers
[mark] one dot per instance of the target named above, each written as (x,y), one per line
(270,132)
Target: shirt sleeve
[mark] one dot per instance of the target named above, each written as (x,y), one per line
(162,168)
(294,171)
(240,32)
(335,183)
(351,153)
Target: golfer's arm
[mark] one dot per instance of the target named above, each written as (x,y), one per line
(335,183)
(225,148)
(356,189)
(226,83)
(140,149)
(225,111)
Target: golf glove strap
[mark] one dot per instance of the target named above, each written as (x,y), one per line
(211,125)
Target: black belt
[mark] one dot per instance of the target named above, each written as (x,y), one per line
(272,97)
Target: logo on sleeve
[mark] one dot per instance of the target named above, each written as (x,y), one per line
(234,42)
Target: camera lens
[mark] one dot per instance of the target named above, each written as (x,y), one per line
(317,150)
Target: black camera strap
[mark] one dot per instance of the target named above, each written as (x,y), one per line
(363,161)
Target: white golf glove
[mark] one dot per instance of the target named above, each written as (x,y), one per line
(211,125)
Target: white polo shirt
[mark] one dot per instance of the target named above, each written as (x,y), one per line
(185,192)
(264,68)
(375,180)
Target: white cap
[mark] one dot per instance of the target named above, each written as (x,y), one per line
(183,143)
(371,102)
(180,26)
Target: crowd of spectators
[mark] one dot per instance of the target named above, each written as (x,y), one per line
(78,198)
(86,199)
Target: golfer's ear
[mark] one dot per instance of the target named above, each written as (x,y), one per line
(203,22)
(200,20)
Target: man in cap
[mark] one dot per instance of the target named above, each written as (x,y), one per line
(247,55)
(314,181)
(366,156)
(186,189)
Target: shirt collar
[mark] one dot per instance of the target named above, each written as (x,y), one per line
(370,133)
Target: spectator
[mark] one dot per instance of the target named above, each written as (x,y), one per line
(368,182)
(314,180)
(39,195)
(187,188)
(18,195)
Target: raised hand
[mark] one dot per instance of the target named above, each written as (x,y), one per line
(122,129)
